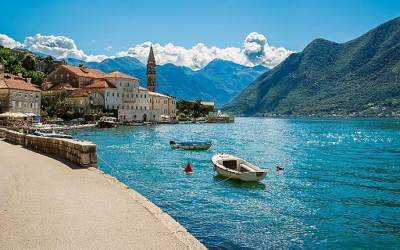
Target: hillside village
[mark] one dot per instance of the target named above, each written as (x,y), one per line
(79,91)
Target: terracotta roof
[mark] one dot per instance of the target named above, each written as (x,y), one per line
(79,93)
(17,84)
(60,86)
(101,83)
(84,71)
(158,94)
(117,74)
(208,103)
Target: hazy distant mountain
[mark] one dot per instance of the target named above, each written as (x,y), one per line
(219,81)
(361,76)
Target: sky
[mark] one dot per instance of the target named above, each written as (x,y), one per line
(186,32)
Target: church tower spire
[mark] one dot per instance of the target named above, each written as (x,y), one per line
(151,71)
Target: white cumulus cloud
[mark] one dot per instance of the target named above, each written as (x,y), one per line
(255,51)
(8,42)
(58,47)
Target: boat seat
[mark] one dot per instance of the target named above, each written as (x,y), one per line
(244,168)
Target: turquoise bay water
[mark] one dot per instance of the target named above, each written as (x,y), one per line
(340,188)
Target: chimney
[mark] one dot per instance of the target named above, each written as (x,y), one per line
(28,80)
(20,75)
(11,76)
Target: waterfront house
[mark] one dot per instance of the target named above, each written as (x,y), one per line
(53,93)
(77,77)
(18,95)
(86,101)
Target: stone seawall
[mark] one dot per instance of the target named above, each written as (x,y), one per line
(81,153)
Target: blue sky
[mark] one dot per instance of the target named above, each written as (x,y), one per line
(96,25)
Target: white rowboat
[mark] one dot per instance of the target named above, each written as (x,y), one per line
(233,167)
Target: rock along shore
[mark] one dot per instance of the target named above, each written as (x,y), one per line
(51,203)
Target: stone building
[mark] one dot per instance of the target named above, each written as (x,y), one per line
(17,95)
(77,77)
(86,101)
(53,93)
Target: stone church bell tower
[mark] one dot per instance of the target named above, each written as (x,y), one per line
(151,71)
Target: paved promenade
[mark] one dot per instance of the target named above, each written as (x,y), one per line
(50,204)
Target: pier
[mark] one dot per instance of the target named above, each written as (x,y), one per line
(50,203)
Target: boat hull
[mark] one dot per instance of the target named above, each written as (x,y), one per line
(253,176)
(102,124)
(191,146)
(229,171)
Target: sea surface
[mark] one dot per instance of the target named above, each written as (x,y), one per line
(340,187)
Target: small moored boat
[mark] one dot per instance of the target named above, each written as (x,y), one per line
(190,145)
(107,122)
(233,167)
(53,135)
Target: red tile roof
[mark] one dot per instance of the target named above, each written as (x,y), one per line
(101,83)
(17,84)
(79,93)
(117,74)
(61,86)
(84,71)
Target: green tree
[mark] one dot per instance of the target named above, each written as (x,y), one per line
(64,109)
(37,77)
(29,63)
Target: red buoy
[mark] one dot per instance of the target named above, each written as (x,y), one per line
(188,168)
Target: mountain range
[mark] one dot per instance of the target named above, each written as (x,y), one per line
(360,77)
(219,81)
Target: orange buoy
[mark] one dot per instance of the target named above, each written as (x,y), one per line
(188,168)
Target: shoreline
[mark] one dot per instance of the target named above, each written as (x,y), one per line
(83,181)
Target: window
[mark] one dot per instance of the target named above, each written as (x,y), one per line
(131,95)
(144,96)
(123,107)
(19,104)
(136,107)
(13,104)
(95,95)
(108,93)
(117,94)
(123,95)
(26,96)
(53,98)
(144,107)
(131,107)
(81,101)
(117,106)
(32,105)
(141,96)
(113,94)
